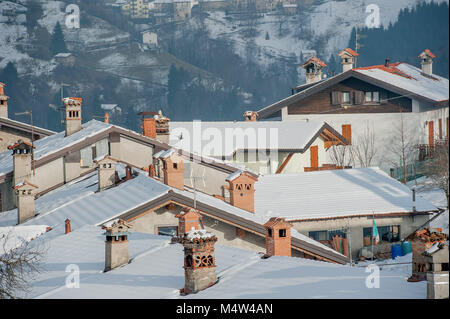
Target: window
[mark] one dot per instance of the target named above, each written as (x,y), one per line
(387,233)
(372,97)
(167,230)
(345,97)
(269,232)
(86,157)
(326,234)
(282,233)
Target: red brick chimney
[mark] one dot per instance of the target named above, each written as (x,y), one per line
(278,237)
(68,230)
(173,169)
(106,118)
(242,190)
(148,124)
(188,220)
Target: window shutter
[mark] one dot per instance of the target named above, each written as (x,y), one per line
(347,133)
(86,157)
(383,96)
(359,97)
(335,98)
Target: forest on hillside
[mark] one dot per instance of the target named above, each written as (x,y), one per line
(422,27)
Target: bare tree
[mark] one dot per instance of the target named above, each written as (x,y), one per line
(364,147)
(403,146)
(18,266)
(437,168)
(341,155)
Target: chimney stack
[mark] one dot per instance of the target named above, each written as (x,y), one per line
(278,237)
(73,114)
(116,244)
(313,68)
(199,260)
(106,118)
(348,59)
(3,101)
(188,220)
(25,200)
(173,169)
(148,124)
(250,116)
(68,228)
(386,62)
(426,58)
(106,172)
(22,161)
(162,127)
(242,190)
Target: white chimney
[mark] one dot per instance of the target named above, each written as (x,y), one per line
(348,59)
(426,59)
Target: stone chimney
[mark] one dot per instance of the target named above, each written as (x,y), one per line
(3,101)
(73,114)
(189,220)
(22,161)
(426,60)
(116,245)
(199,260)
(106,172)
(162,127)
(278,237)
(348,59)
(313,68)
(25,192)
(251,116)
(242,190)
(173,169)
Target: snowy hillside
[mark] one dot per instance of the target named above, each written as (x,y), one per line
(328,24)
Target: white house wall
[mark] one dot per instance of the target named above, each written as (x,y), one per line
(384,125)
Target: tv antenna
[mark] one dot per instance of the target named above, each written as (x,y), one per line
(194,184)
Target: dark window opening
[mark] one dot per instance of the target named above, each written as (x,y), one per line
(444,267)
(175,165)
(388,234)
(270,232)
(282,233)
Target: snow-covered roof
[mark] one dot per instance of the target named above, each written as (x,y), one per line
(54,143)
(156,271)
(14,237)
(63,55)
(410,78)
(230,137)
(80,202)
(333,193)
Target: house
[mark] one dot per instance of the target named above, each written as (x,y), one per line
(66,59)
(265,147)
(213,5)
(11,131)
(150,38)
(136,9)
(378,98)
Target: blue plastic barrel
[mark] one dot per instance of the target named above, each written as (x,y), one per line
(406,248)
(396,250)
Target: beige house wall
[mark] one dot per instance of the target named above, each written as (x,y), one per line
(356,224)
(133,152)
(7,138)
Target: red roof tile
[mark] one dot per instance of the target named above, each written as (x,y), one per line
(315,61)
(349,51)
(392,68)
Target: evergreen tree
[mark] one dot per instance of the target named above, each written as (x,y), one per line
(58,45)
